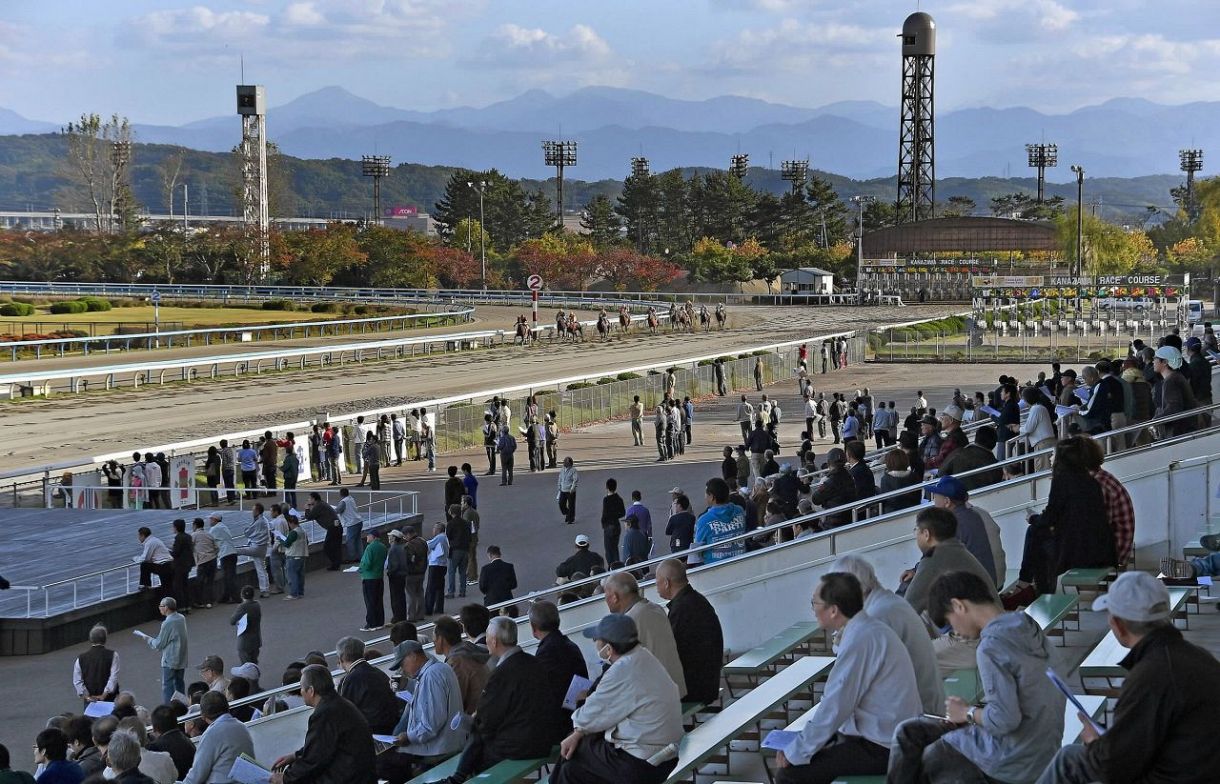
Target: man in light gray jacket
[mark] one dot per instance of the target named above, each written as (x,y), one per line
(1014,735)
(171,641)
(222,743)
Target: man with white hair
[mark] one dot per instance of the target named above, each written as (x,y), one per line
(123,753)
(884,605)
(511,708)
(622,594)
(1163,726)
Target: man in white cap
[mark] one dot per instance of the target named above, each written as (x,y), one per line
(1174,395)
(581,562)
(1164,724)
(952,437)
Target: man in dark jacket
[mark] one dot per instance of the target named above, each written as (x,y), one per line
(183,552)
(454,489)
(861,474)
(977,455)
(324,515)
(613,511)
(338,745)
(1163,727)
(511,708)
(367,688)
(696,631)
(582,561)
(837,488)
(728,467)
(497,580)
(560,660)
(396,572)
(786,489)
(168,737)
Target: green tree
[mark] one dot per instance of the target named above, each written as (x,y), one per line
(602,223)
(316,256)
(721,205)
(956,206)
(638,205)
(828,210)
(1108,249)
(393,259)
(510,215)
(98,165)
(675,226)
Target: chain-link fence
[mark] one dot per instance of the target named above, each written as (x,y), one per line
(1083,342)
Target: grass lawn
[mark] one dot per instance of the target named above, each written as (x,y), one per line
(189,317)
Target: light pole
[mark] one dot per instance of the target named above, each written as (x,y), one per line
(1079,172)
(481,187)
(860,201)
(186,224)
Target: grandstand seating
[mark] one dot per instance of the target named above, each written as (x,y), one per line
(1053,611)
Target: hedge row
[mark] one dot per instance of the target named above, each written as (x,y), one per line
(16,309)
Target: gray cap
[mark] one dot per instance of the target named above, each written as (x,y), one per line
(953,412)
(403,650)
(836,455)
(616,629)
(1136,596)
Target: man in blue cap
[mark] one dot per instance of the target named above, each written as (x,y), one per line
(629,727)
(949,493)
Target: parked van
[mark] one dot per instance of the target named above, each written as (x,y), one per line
(1194,311)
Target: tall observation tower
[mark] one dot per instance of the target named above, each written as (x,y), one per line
(916,147)
(252,106)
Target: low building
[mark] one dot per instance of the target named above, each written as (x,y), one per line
(807,280)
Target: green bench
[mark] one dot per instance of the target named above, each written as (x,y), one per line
(1102,664)
(1094,580)
(763,659)
(503,772)
(702,745)
(1179,599)
(964,684)
(1052,611)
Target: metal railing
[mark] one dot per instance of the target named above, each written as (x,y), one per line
(380,507)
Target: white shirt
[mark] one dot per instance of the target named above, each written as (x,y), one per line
(152,475)
(155,551)
(112,680)
(898,614)
(636,705)
(871,689)
(346,511)
(1037,427)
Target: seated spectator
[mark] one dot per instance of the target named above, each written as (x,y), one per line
(102,731)
(250,671)
(889,608)
(474,619)
(157,765)
(1164,723)
(425,733)
(7,774)
(367,687)
(51,752)
(634,715)
(898,475)
(169,738)
(949,493)
(1120,512)
(697,632)
(212,671)
(511,709)
(836,489)
(561,659)
(468,661)
(79,732)
(222,743)
(124,755)
(936,537)
(287,700)
(871,689)
(582,561)
(1019,726)
(635,545)
(622,594)
(238,689)
(861,472)
(979,454)
(338,747)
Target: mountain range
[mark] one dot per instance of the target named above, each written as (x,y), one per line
(858,139)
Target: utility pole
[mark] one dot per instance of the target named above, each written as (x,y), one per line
(860,201)
(559,154)
(480,187)
(186,207)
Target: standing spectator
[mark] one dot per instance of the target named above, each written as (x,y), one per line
(688,419)
(613,511)
(171,640)
(258,538)
(641,514)
(634,544)
(289,469)
(372,581)
(490,434)
(1173,394)
(569,478)
(396,575)
(224,740)
(454,488)
(367,687)
(324,515)
(400,437)
(278,527)
(418,557)
(317,453)
(1162,726)
(249,640)
(228,470)
(506,445)
(728,467)
(637,421)
(155,558)
(334,455)
(351,525)
(634,713)
(681,525)
(697,632)
(758,374)
(267,456)
(372,451)
(470,484)
(226,553)
(1019,727)
(561,659)
(95,674)
(113,474)
(211,472)
(183,552)
(745,416)
(247,463)
(722,520)
(205,564)
(438,564)
(457,530)
(871,689)
(338,745)
(296,552)
(498,580)
(471,516)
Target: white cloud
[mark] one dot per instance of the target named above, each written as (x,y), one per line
(513,46)
(793,45)
(198,25)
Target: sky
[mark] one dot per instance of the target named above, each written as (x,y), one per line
(170,62)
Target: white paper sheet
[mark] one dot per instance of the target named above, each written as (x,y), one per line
(405,696)
(778,740)
(242,625)
(97,710)
(246,771)
(577,686)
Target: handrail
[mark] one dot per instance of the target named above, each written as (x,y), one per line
(19,344)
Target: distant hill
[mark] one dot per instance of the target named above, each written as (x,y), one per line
(1120,138)
(334,187)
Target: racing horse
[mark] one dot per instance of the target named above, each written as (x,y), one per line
(603,326)
(624,320)
(705,318)
(574,329)
(722,316)
(523,333)
(653,321)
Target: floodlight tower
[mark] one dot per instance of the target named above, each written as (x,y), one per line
(739,165)
(639,167)
(916,148)
(375,166)
(252,106)
(559,154)
(1190,162)
(1042,157)
(795,172)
